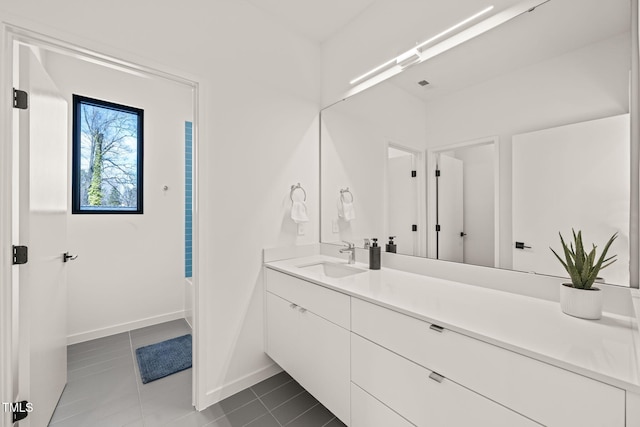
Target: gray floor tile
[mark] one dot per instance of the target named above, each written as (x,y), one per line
(167,403)
(95,406)
(271,383)
(266,420)
(293,408)
(82,360)
(157,333)
(172,385)
(136,423)
(99,343)
(281,394)
(335,423)
(166,416)
(125,360)
(103,415)
(101,386)
(217,410)
(193,419)
(236,401)
(317,416)
(120,418)
(173,403)
(242,416)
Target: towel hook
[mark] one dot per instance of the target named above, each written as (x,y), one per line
(343,192)
(294,188)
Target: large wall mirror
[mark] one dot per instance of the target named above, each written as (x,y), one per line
(482,154)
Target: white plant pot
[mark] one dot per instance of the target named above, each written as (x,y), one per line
(582,303)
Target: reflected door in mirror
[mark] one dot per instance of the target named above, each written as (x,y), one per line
(402,187)
(450,240)
(572,176)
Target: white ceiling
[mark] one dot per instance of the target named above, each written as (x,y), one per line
(555,27)
(552,29)
(316,20)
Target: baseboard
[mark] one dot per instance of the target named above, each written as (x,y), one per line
(123,327)
(216,395)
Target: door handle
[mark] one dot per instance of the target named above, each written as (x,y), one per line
(520,245)
(66,257)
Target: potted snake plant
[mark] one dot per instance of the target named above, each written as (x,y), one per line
(580,298)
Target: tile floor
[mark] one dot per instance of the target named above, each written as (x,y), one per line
(104,390)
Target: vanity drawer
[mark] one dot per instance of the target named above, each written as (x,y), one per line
(324,302)
(367,411)
(410,390)
(552,396)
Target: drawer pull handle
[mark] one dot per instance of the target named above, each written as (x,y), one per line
(436,377)
(292,305)
(302,309)
(436,328)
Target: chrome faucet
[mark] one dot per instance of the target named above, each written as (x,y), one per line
(351,248)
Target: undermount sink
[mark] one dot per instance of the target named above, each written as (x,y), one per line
(331,269)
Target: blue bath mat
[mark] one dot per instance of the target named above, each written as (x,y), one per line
(164,358)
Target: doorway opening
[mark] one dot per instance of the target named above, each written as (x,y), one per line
(31,200)
(463,187)
(405,199)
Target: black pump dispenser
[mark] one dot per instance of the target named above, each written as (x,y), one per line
(391,246)
(374,255)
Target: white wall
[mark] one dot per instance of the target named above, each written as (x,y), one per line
(258,129)
(581,85)
(130,268)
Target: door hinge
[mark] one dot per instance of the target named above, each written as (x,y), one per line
(414,227)
(20,410)
(20,99)
(437,173)
(437,227)
(20,255)
(414,174)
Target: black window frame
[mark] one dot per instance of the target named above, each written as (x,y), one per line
(78,101)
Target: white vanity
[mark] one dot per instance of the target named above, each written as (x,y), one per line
(391,348)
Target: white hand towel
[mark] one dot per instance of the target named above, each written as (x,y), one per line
(346,210)
(299,212)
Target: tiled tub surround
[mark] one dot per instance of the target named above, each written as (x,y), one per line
(497,349)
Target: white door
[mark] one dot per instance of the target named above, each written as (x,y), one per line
(402,203)
(573,176)
(450,209)
(42,217)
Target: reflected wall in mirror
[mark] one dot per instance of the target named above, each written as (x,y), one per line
(529,127)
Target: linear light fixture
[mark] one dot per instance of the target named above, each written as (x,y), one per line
(392,68)
(413,55)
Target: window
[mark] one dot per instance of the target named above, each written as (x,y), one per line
(107,157)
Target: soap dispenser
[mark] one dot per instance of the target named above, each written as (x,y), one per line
(391,246)
(374,255)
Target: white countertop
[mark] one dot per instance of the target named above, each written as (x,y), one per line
(606,350)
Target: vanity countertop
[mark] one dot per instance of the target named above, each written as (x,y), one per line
(606,350)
